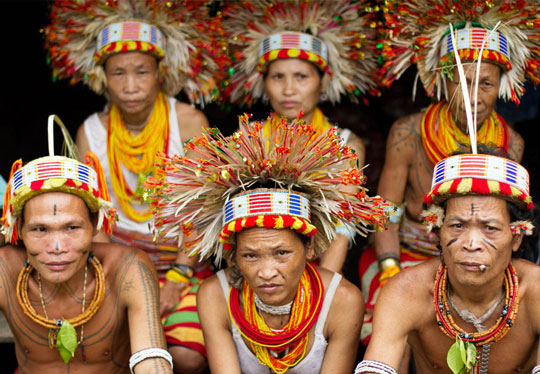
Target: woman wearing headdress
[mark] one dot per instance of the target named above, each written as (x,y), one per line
(140,54)
(296,54)
(268,202)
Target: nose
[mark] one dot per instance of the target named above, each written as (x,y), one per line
(288,86)
(130,84)
(267,271)
(472,240)
(56,244)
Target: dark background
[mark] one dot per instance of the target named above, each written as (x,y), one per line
(29,95)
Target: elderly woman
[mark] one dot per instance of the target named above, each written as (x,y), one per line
(269,203)
(296,55)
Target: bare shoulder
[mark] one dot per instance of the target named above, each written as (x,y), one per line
(529,278)
(116,259)
(412,287)
(356,143)
(12,259)
(211,289)
(517,145)
(404,136)
(347,295)
(190,120)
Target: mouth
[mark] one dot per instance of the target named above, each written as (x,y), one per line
(58,265)
(473,266)
(269,288)
(289,104)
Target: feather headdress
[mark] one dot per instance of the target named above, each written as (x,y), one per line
(226,189)
(189,43)
(337,36)
(507,33)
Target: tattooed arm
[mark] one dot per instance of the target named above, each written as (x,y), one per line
(400,147)
(140,293)
(517,146)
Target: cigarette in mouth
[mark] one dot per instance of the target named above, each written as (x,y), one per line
(482,268)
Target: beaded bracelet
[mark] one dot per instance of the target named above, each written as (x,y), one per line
(536,370)
(137,357)
(377,367)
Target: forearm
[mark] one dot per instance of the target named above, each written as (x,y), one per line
(154,365)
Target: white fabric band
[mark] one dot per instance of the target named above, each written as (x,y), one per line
(149,353)
(294,40)
(367,366)
(536,370)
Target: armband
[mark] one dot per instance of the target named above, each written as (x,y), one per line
(137,357)
(175,277)
(536,370)
(344,228)
(367,366)
(388,267)
(394,212)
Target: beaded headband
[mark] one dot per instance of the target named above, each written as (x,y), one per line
(293,45)
(56,174)
(470,41)
(129,37)
(267,208)
(479,174)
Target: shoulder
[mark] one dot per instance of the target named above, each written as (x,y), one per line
(211,289)
(11,259)
(356,143)
(118,260)
(190,120)
(347,295)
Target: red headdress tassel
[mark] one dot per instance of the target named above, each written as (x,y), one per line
(16,166)
(91,160)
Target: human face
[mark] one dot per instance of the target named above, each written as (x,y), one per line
(132,84)
(293,85)
(57,232)
(476,231)
(488,90)
(272,262)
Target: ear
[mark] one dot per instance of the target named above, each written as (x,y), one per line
(310,249)
(325,82)
(516,241)
(95,218)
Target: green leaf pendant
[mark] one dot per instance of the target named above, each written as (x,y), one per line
(66,341)
(461,356)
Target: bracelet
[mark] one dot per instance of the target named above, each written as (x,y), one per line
(536,370)
(387,262)
(184,270)
(149,353)
(377,367)
(175,277)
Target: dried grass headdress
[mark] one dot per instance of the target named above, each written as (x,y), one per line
(189,43)
(337,36)
(220,193)
(507,33)
(57,174)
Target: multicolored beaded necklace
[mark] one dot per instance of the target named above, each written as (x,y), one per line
(292,339)
(506,319)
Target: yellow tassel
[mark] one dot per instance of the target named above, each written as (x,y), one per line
(494,187)
(464,186)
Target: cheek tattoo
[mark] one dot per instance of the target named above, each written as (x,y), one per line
(451,242)
(490,244)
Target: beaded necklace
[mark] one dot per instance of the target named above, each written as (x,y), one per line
(277,310)
(506,319)
(293,337)
(442,137)
(136,153)
(56,324)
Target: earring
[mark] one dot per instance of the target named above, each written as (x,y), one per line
(265,98)
(324,96)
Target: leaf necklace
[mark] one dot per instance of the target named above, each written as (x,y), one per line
(62,333)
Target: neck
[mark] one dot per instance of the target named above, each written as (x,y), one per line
(136,121)
(72,287)
(477,299)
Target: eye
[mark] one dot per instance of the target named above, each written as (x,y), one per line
(248,256)
(456,225)
(142,72)
(302,76)
(282,252)
(72,227)
(277,76)
(38,229)
(491,228)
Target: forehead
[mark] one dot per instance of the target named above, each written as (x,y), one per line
(483,206)
(55,202)
(291,65)
(258,238)
(130,59)
(487,70)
